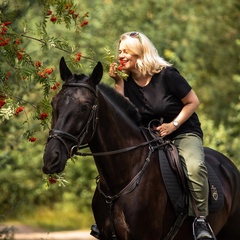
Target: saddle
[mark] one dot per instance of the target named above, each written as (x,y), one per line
(175,163)
(176,183)
(175,180)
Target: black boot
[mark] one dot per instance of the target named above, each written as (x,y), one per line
(94,231)
(202,229)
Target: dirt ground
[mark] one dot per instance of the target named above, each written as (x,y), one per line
(23,232)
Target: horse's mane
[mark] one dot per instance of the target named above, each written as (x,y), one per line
(119,101)
(122,103)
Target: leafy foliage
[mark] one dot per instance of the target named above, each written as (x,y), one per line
(21,72)
(200,38)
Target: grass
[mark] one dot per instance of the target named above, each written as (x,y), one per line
(62,217)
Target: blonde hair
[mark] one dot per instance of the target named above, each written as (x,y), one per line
(149,61)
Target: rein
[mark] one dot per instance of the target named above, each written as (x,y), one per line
(122,150)
(60,135)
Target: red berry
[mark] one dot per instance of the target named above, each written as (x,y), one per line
(52,179)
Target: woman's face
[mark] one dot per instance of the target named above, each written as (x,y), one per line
(126,58)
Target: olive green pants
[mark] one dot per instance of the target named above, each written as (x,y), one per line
(191,152)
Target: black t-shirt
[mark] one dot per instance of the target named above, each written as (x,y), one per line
(161,98)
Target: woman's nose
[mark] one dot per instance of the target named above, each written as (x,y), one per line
(121,56)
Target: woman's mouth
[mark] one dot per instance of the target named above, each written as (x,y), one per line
(123,63)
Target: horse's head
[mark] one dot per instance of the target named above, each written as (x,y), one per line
(74,111)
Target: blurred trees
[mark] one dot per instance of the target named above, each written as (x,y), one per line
(201,38)
(30,51)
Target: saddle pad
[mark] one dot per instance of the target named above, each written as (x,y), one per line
(178,196)
(216,197)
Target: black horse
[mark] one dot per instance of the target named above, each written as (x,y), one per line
(131,200)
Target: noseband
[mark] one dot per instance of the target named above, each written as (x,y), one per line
(92,118)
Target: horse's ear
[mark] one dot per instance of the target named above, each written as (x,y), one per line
(65,73)
(97,73)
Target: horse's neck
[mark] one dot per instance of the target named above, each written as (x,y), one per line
(115,128)
(115,132)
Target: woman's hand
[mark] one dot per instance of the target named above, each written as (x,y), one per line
(113,73)
(166,129)
(119,82)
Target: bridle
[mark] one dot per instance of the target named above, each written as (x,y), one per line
(92,119)
(78,141)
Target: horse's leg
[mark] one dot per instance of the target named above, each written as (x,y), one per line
(138,219)
(100,213)
(146,211)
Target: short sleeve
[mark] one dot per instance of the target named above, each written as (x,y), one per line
(176,84)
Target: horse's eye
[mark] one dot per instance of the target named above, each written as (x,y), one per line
(84,109)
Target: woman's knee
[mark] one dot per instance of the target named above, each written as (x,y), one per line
(196,171)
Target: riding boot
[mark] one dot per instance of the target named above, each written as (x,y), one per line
(94,231)
(202,229)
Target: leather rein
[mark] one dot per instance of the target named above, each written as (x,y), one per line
(92,118)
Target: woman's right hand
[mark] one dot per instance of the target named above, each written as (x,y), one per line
(119,82)
(113,73)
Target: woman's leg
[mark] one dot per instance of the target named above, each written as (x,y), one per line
(191,152)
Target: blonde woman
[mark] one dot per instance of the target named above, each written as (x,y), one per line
(158,90)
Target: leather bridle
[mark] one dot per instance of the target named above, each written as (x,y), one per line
(92,119)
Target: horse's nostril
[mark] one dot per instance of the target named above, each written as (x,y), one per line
(51,169)
(45,170)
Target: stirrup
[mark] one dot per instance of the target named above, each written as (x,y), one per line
(208,227)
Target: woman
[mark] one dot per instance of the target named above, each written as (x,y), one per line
(159,91)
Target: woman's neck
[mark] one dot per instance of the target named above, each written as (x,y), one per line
(141,80)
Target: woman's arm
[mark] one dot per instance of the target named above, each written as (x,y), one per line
(191,103)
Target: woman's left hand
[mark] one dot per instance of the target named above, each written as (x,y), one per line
(166,129)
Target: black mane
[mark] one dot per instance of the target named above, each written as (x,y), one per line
(123,103)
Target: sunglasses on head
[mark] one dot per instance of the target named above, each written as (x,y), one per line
(135,35)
